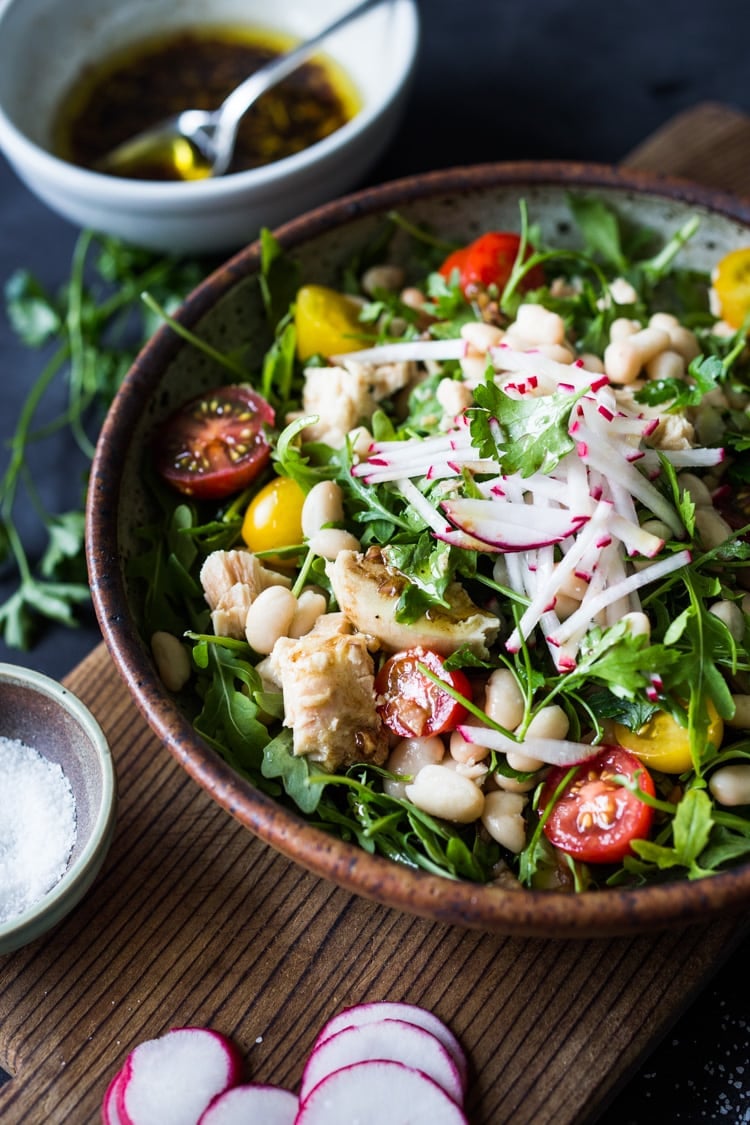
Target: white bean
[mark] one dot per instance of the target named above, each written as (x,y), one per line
(730,785)
(549,722)
(622,292)
(171,659)
(624,359)
(503,700)
(323,504)
(443,792)
(311,605)
(638,624)
(622,328)
(269,617)
(413,298)
(480,336)
(696,489)
(682,340)
(745,604)
(666,365)
(382,277)
(540,325)
(408,757)
(454,396)
(466,752)
(360,439)
(731,615)
(329,541)
(712,528)
(502,816)
(517,760)
(591,363)
(741,716)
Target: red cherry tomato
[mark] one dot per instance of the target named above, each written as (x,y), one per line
(595,819)
(409,703)
(489,261)
(215,445)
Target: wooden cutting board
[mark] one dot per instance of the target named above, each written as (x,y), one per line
(194,921)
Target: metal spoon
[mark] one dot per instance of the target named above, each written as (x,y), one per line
(214,132)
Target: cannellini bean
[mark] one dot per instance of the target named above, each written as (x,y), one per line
(721,328)
(741,716)
(517,760)
(329,541)
(622,328)
(540,325)
(480,336)
(549,722)
(565,606)
(382,277)
(360,440)
(171,659)
(730,785)
(443,792)
(591,363)
(666,365)
(712,528)
(453,395)
(624,359)
(696,489)
(269,617)
(732,616)
(560,353)
(475,771)
(466,752)
(622,292)
(323,504)
(503,818)
(658,528)
(408,757)
(503,699)
(473,368)
(413,298)
(745,603)
(638,624)
(682,340)
(311,605)
(500,571)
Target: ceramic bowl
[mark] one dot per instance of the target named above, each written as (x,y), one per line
(44,45)
(44,715)
(226,310)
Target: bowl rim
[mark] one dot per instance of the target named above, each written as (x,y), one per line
(20,150)
(506,911)
(79,875)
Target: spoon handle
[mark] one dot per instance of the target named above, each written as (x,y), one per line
(227,117)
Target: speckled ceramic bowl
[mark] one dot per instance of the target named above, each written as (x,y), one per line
(45,716)
(226,310)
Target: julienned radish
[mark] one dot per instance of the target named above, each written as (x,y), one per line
(395,1040)
(172,1080)
(245,1105)
(378,1010)
(376,1092)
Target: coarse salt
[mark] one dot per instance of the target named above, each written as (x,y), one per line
(37,826)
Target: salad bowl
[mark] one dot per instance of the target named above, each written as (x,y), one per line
(227,314)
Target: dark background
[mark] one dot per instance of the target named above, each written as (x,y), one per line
(495,80)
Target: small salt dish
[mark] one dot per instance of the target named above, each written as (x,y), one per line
(45,717)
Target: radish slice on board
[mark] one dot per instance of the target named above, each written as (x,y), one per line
(173,1079)
(110,1116)
(385,1039)
(378,1091)
(243,1105)
(361,1014)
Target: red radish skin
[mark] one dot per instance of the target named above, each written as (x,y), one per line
(173,1079)
(110,1116)
(361,1014)
(254,1103)
(384,1039)
(378,1091)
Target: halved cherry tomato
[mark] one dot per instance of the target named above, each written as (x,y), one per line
(489,261)
(595,819)
(409,703)
(731,284)
(663,744)
(273,517)
(215,444)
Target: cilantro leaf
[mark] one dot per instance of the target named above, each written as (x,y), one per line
(705,373)
(533,432)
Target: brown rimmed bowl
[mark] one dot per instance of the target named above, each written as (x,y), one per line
(226,311)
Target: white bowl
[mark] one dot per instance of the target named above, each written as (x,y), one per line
(44,44)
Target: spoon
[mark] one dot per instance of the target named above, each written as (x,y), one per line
(213,133)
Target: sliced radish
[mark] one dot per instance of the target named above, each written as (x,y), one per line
(361,1014)
(378,1091)
(384,1039)
(252,1105)
(173,1079)
(110,1116)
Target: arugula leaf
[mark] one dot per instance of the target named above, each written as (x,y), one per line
(31,311)
(693,821)
(279,278)
(295,771)
(600,229)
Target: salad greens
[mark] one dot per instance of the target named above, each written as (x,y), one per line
(688,665)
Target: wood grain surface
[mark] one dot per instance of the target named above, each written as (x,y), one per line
(194,921)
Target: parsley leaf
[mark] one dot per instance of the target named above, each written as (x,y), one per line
(533,432)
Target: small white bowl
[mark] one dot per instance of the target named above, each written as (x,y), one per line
(44,45)
(45,716)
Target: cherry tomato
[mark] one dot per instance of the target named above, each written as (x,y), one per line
(409,703)
(273,518)
(731,284)
(215,444)
(595,819)
(327,322)
(489,261)
(663,744)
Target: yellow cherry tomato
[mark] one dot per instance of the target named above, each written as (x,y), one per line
(731,284)
(327,322)
(274,517)
(663,744)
